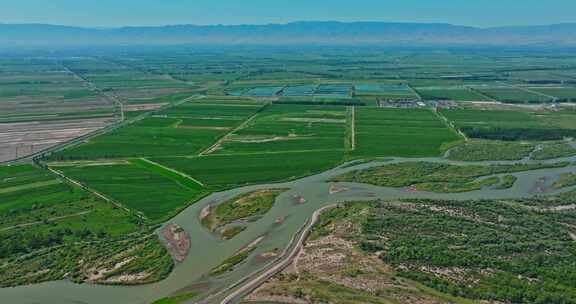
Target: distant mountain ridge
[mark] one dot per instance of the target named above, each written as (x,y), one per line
(322,32)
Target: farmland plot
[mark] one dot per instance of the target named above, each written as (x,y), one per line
(400,132)
(562,93)
(183,130)
(137,187)
(391,91)
(224,171)
(282,128)
(512,95)
(451,93)
(129,84)
(512,125)
(43,105)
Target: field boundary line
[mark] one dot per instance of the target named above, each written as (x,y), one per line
(553,98)
(93,87)
(96,193)
(449,124)
(43,250)
(30,186)
(479,93)
(258,153)
(143,70)
(173,171)
(415,92)
(224,137)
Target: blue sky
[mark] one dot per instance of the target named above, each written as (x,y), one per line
(109,13)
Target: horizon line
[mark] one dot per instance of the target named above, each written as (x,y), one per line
(280,23)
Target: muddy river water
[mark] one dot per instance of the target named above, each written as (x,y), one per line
(208,251)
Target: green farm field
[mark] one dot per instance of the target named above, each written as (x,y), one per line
(224,171)
(288,128)
(156,194)
(393,132)
(513,125)
(513,95)
(562,93)
(451,93)
(183,130)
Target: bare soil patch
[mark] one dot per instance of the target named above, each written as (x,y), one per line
(177,241)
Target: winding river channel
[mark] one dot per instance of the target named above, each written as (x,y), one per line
(208,251)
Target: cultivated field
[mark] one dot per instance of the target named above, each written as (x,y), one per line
(288,128)
(513,124)
(179,131)
(407,132)
(140,187)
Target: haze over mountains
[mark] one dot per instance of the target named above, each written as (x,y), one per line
(334,33)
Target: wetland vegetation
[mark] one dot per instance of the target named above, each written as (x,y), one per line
(433,251)
(246,207)
(439,177)
(482,151)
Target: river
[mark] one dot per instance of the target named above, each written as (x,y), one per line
(208,251)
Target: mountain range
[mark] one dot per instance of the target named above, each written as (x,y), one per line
(317,33)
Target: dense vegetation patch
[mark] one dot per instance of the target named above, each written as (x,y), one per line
(248,206)
(510,125)
(554,151)
(134,259)
(58,231)
(491,250)
(482,151)
(565,180)
(437,177)
(513,134)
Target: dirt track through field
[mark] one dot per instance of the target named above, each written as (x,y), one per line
(53,219)
(94,192)
(220,141)
(450,124)
(92,86)
(353,128)
(476,92)
(29,186)
(173,171)
(553,98)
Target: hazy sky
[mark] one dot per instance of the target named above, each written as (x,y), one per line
(159,12)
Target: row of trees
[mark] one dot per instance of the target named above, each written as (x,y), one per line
(14,244)
(514,134)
